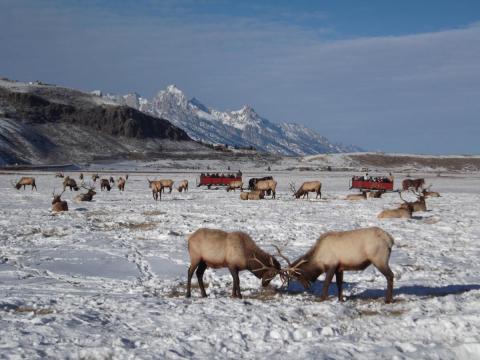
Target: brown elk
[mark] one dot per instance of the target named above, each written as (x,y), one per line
(166,183)
(81,176)
(95,177)
(58,204)
(88,196)
(336,252)
(105,184)
(126,177)
(400,213)
(25,181)
(112,180)
(308,186)
(121,184)
(266,186)
(233,250)
(413,183)
(376,194)
(252,195)
(427,193)
(235,185)
(156,187)
(361,196)
(419,205)
(183,186)
(69,182)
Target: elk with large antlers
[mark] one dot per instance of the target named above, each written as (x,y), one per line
(400,213)
(88,196)
(69,182)
(25,181)
(419,205)
(183,186)
(58,204)
(266,186)
(336,252)
(233,250)
(308,186)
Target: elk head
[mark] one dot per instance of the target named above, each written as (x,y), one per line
(57,198)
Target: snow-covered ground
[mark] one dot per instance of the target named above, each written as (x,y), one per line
(107,279)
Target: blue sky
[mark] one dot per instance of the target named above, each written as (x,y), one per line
(394,76)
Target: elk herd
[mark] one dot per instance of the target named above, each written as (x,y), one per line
(332,253)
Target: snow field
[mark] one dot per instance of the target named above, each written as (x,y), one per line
(107,278)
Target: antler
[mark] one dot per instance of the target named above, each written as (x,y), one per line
(282,256)
(293,188)
(400,193)
(292,271)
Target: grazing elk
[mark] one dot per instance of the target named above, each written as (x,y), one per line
(266,186)
(121,184)
(237,184)
(336,252)
(25,181)
(112,180)
(58,204)
(419,205)
(233,250)
(69,182)
(308,186)
(105,184)
(88,196)
(413,184)
(361,196)
(81,176)
(376,194)
(400,213)
(253,181)
(95,177)
(252,195)
(156,187)
(183,186)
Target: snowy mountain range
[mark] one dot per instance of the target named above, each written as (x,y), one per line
(241,128)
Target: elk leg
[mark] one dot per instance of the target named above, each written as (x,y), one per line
(387,272)
(339,281)
(326,283)
(191,270)
(200,270)
(236,283)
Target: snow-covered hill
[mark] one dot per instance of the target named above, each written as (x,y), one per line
(243,128)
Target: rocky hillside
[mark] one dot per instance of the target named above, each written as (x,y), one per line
(45,123)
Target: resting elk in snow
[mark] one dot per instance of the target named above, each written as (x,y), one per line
(427,193)
(235,185)
(105,184)
(24,181)
(58,204)
(88,196)
(233,250)
(361,196)
(69,182)
(183,186)
(265,186)
(376,194)
(252,195)
(121,184)
(413,183)
(419,205)
(308,186)
(336,252)
(156,187)
(400,213)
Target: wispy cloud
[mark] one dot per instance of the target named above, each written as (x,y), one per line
(408,93)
